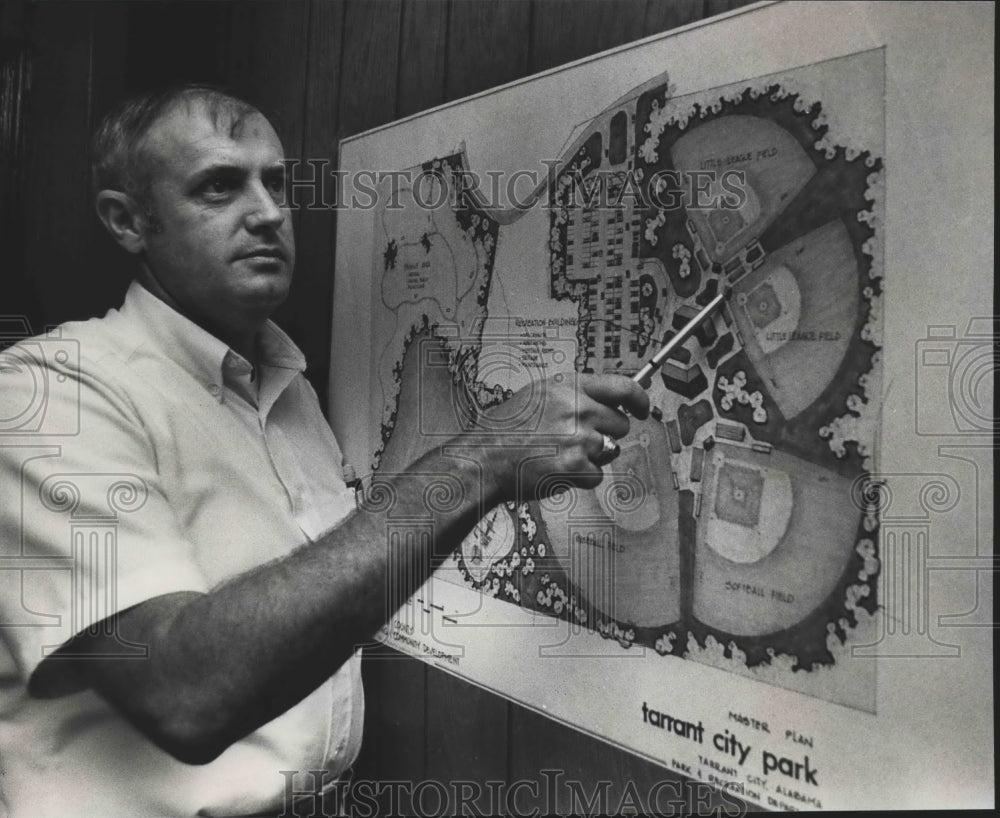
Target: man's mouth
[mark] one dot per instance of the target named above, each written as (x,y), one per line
(264,252)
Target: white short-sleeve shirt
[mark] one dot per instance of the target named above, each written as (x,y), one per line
(140,456)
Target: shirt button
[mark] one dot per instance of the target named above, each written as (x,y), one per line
(214,388)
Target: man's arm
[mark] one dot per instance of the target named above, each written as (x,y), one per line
(224,663)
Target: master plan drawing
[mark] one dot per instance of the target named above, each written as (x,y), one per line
(734,529)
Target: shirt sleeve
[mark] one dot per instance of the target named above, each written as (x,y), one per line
(85,527)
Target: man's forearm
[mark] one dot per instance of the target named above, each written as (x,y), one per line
(288,625)
(222,664)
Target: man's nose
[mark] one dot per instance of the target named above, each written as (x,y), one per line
(263,211)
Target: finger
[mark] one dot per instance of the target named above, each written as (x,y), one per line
(617,390)
(605,419)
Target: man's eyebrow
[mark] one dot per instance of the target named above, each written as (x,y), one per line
(215,169)
(231,169)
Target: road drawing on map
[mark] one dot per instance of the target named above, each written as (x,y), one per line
(733,528)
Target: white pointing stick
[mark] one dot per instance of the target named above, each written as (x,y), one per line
(642,377)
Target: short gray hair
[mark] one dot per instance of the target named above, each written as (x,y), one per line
(117,161)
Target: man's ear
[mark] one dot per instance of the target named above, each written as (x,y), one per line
(123,218)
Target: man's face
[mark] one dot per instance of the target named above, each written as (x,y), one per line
(221,247)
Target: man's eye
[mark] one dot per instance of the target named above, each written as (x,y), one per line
(218,187)
(276,184)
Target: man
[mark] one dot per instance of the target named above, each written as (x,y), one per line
(204,639)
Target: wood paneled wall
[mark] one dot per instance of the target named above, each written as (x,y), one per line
(323,70)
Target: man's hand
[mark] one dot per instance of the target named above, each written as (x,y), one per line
(551,434)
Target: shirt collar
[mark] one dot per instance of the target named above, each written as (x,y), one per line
(195,349)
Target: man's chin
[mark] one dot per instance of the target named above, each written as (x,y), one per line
(261,291)
(267,296)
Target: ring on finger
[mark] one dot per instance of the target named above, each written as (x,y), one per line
(609,447)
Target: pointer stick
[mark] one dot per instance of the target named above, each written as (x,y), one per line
(643,375)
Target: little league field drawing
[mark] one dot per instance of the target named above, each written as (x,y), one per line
(735,528)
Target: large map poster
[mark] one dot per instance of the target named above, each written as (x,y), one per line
(735,517)
(738,536)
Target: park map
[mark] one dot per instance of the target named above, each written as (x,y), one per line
(735,527)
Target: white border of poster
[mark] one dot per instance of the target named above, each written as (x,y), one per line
(930,742)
